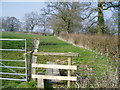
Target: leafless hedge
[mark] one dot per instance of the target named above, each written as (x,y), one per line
(104,44)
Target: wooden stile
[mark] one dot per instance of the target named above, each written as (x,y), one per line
(40,78)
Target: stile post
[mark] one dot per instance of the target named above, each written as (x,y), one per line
(69,71)
(36,43)
(40,81)
(34,61)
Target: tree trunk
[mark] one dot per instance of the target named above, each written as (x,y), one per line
(32,29)
(100,18)
(68,27)
(44,30)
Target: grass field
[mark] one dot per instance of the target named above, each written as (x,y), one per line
(93,69)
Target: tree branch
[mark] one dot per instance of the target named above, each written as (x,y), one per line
(112,6)
(92,24)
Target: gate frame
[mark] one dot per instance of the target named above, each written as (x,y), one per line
(9,67)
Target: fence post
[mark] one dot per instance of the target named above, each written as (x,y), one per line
(36,43)
(69,71)
(40,81)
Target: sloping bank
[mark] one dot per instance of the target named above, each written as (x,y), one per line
(110,66)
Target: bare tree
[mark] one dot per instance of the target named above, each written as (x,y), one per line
(112,23)
(11,24)
(95,16)
(101,7)
(30,21)
(67,13)
(43,20)
(89,17)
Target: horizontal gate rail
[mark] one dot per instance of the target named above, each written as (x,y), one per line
(12,60)
(12,67)
(12,50)
(13,39)
(13,79)
(12,73)
(55,66)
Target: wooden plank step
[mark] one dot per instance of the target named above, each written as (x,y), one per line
(55,66)
(55,77)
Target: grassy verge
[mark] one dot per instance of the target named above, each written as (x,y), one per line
(94,70)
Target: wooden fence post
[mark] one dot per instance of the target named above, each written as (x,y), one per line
(69,71)
(36,43)
(40,81)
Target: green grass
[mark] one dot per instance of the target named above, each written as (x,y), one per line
(89,64)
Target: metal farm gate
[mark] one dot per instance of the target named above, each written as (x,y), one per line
(21,76)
